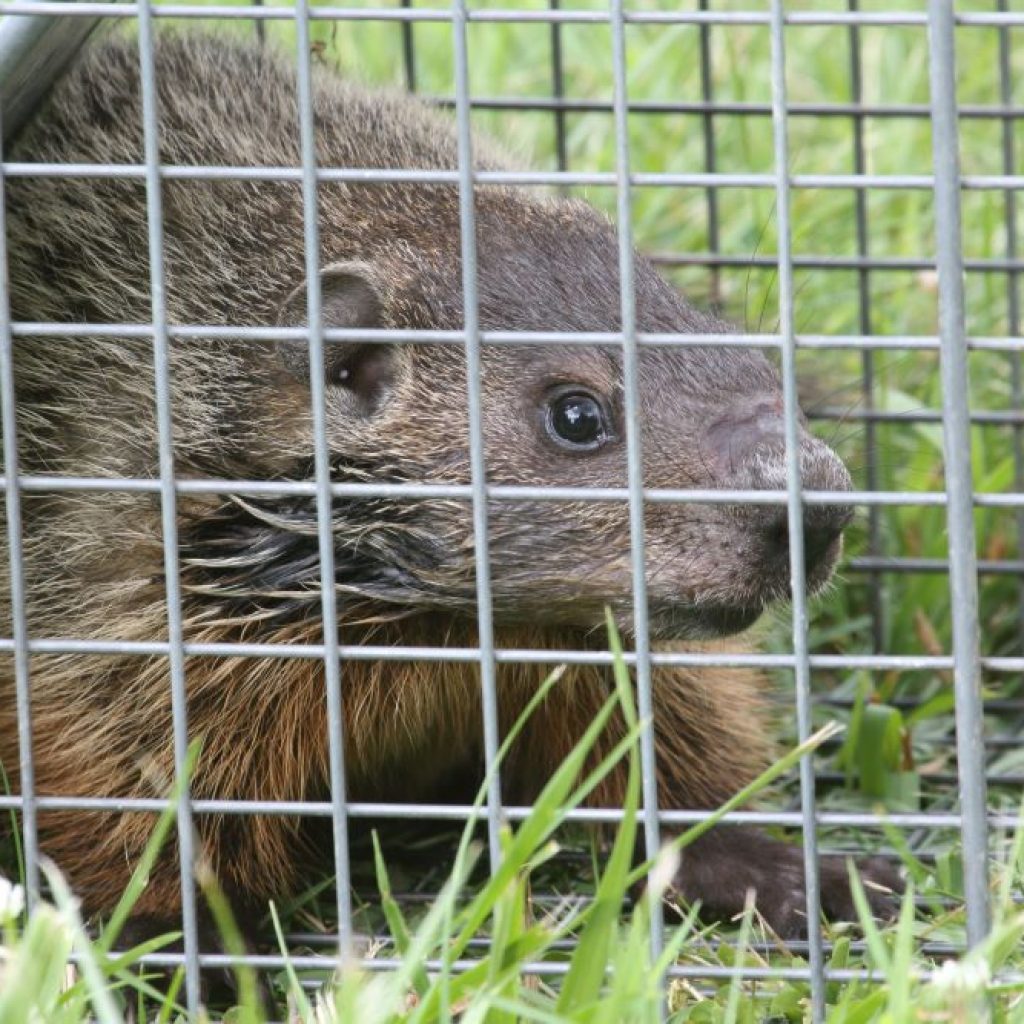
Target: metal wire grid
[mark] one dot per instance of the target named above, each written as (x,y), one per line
(952,342)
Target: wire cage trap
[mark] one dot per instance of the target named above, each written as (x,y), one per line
(840,180)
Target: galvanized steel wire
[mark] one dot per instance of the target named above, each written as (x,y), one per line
(952,342)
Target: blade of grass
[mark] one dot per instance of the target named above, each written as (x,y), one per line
(732,1006)
(898,840)
(847,756)
(900,977)
(745,795)
(248,1009)
(33,971)
(19,855)
(510,912)
(95,981)
(1014,871)
(878,748)
(462,853)
(838,961)
(120,967)
(589,964)
(169,1002)
(393,914)
(872,936)
(294,986)
(626,992)
(140,876)
(549,811)
(430,934)
(673,946)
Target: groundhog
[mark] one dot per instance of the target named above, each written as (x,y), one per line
(405,574)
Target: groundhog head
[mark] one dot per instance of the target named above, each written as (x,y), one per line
(711,417)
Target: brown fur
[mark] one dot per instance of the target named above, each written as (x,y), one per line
(404,567)
(408,726)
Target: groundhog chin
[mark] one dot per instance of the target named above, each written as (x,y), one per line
(709,620)
(700,622)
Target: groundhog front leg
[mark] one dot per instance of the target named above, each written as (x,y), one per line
(720,867)
(710,739)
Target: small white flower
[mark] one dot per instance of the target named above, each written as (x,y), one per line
(962,976)
(12,900)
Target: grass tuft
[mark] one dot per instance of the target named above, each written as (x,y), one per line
(52,970)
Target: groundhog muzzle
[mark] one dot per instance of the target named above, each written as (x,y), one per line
(249,568)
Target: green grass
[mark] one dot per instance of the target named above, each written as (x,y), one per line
(607,973)
(889,756)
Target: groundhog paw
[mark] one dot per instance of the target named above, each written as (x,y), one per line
(722,866)
(879,878)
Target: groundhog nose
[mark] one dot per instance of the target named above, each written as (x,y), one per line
(823,527)
(745,448)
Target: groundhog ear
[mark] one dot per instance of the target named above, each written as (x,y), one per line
(348,300)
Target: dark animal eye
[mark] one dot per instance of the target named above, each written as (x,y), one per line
(577,420)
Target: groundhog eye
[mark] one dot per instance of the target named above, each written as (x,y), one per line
(577,420)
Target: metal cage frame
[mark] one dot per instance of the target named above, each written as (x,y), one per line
(56,27)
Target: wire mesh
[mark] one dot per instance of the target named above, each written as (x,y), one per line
(955,340)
